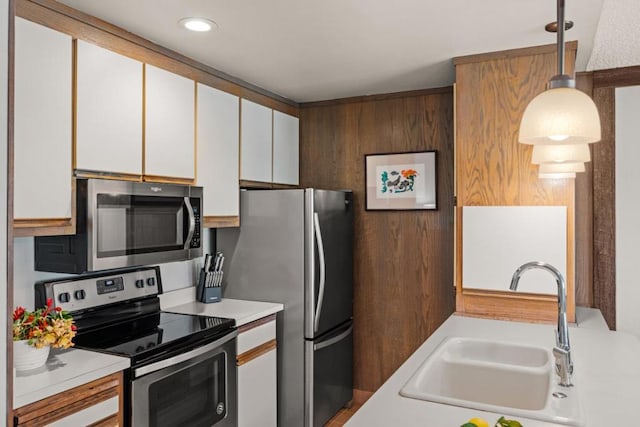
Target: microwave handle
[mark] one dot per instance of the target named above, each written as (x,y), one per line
(192,223)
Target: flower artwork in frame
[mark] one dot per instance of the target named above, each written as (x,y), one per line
(401,181)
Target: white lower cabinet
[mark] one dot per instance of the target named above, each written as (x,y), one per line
(257,391)
(257,374)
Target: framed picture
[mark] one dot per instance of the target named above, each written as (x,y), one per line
(400,181)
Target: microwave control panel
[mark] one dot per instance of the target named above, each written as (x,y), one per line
(195,239)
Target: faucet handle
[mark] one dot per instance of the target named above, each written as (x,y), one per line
(564,367)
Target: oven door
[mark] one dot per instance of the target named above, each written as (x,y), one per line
(196,389)
(132,223)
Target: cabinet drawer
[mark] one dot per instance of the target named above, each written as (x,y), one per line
(255,336)
(87,404)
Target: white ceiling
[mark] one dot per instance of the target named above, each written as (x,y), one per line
(325,49)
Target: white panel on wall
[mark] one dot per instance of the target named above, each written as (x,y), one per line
(627,206)
(496,240)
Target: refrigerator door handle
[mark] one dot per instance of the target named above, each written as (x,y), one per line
(318,233)
(333,340)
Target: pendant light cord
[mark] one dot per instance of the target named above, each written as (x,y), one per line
(560,33)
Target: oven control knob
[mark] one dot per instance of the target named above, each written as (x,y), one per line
(151,281)
(139,349)
(64,297)
(80,294)
(220,408)
(140,283)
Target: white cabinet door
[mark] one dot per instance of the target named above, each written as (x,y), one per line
(108,112)
(218,151)
(169,124)
(257,395)
(285,148)
(43,125)
(256,142)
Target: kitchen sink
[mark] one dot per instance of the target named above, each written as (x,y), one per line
(506,378)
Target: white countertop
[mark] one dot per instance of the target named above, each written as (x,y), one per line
(606,375)
(65,369)
(243,312)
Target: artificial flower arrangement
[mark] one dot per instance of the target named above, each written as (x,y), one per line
(43,327)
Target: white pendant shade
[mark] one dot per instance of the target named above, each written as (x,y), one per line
(560,153)
(559,175)
(561,167)
(560,116)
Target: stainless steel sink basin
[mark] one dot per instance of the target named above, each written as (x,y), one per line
(505,378)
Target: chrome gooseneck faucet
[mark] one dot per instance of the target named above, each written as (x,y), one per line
(562,350)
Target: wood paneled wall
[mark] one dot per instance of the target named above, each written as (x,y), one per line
(493,169)
(403,267)
(595,198)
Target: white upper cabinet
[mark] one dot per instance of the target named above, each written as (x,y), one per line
(285,148)
(218,150)
(169,124)
(43,122)
(256,142)
(109,111)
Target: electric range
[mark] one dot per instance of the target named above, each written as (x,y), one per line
(183,367)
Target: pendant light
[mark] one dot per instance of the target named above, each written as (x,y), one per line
(557,175)
(561,115)
(560,153)
(561,167)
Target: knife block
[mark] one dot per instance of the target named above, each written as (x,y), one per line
(207,294)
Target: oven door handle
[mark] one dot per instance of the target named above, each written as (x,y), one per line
(192,223)
(162,364)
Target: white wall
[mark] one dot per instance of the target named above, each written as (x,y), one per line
(627,208)
(175,275)
(4,21)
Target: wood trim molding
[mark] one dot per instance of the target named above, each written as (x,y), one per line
(244,183)
(61,405)
(220,221)
(29,228)
(81,173)
(604,215)
(617,77)
(31,9)
(361,396)
(168,180)
(256,352)
(378,97)
(513,53)
(248,326)
(520,307)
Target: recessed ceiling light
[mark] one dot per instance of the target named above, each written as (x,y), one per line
(198,24)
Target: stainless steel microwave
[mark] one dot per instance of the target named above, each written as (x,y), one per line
(122,224)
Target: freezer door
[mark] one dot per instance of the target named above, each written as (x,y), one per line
(328,375)
(328,259)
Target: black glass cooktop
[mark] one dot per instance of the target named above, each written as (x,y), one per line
(155,335)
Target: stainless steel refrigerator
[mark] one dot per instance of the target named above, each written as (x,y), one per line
(296,247)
